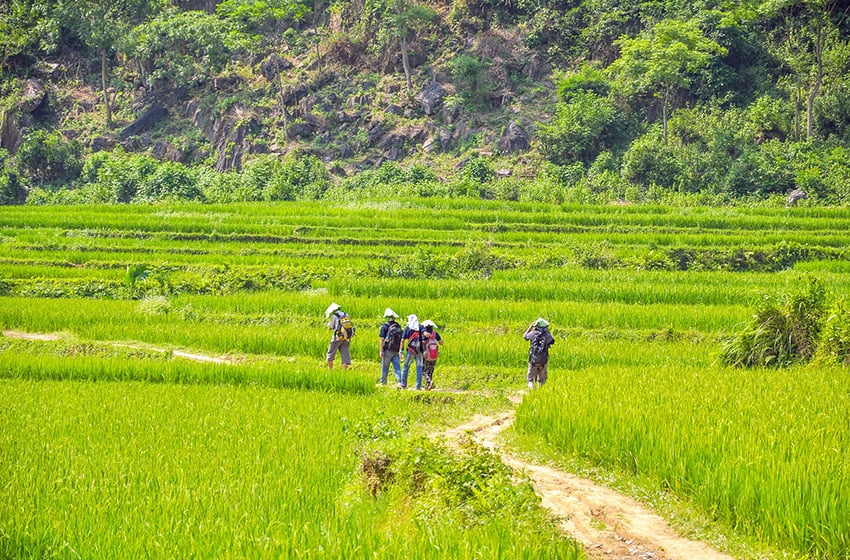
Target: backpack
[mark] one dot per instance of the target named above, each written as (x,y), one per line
(392,341)
(539,351)
(414,343)
(345,329)
(432,348)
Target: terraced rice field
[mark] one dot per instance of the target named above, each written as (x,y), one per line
(116,446)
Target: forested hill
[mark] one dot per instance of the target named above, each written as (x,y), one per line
(551,100)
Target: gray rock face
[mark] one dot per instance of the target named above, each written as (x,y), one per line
(514,139)
(431,98)
(10,133)
(147,121)
(795,196)
(32,96)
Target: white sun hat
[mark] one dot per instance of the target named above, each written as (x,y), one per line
(331,308)
(429,323)
(390,313)
(541,322)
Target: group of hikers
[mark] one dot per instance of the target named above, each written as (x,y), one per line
(419,344)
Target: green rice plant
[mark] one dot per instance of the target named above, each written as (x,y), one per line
(765,451)
(120,470)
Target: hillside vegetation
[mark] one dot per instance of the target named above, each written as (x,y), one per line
(582,100)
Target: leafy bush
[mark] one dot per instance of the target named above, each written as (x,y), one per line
(649,161)
(169,181)
(781,332)
(834,346)
(183,48)
(48,159)
(582,127)
(12,190)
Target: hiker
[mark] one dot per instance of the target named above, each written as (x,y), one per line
(343,330)
(412,336)
(430,351)
(390,346)
(538,354)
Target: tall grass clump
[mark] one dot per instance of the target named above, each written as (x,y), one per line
(782,331)
(835,337)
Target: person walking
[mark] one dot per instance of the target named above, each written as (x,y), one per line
(412,335)
(390,346)
(343,329)
(430,351)
(540,340)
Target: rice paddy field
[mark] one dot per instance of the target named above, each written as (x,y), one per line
(114,445)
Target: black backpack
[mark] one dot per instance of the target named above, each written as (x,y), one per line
(539,351)
(414,343)
(392,341)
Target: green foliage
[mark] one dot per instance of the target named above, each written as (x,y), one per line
(12,190)
(169,181)
(588,79)
(834,345)
(469,485)
(135,273)
(117,176)
(47,159)
(26,28)
(184,48)
(263,16)
(583,126)
(781,332)
(468,72)
(648,161)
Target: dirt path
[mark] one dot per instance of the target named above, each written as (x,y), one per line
(608,525)
(175,353)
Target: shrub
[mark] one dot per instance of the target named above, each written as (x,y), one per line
(781,332)
(834,346)
(48,159)
(582,128)
(649,161)
(12,190)
(169,181)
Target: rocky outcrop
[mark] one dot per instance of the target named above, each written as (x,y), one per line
(145,122)
(796,196)
(272,66)
(514,139)
(227,134)
(431,98)
(32,96)
(10,133)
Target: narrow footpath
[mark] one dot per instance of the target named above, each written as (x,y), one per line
(609,525)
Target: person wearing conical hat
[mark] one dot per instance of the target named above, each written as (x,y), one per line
(540,340)
(389,346)
(340,324)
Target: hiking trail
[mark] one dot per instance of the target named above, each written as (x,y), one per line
(607,524)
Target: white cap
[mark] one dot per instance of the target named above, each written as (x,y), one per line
(429,323)
(390,313)
(331,308)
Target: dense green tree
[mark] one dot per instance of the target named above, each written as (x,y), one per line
(182,49)
(402,18)
(663,60)
(100,24)
(26,27)
(807,36)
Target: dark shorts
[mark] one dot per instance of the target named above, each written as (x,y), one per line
(344,347)
(537,372)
